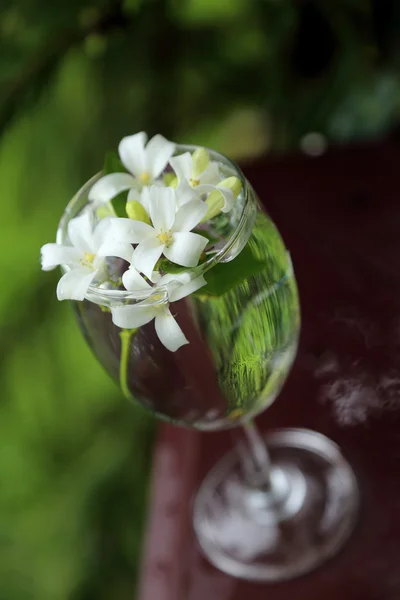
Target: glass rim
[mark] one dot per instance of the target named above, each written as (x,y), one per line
(109,295)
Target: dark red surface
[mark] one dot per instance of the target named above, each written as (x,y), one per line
(340,217)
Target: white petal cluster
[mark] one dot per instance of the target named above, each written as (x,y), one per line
(163,229)
(144,164)
(85,257)
(170,235)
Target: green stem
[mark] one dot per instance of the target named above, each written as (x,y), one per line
(125,335)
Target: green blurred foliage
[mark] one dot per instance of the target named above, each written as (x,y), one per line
(242,76)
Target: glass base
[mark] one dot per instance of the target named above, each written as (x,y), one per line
(288,529)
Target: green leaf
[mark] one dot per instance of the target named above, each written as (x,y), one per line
(119,204)
(221,224)
(169,267)
(113,164)
(225,276)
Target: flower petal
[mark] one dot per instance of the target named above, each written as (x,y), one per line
(229,198)
(132,153)
(115,248)
(53,255)
(110,186)
(132,316)
(144,198)
(155,277)
(189,215)
(102,232)
(185,289)
(211,175)
(182,165)
(186,248)
(80,232)
(133,281)
(169,332)
(162,207)
(205,188)
(74,284)
(184,193)
(146,255)
(127,230)
(174,278)
(134,194)
(158,152)
(227,194)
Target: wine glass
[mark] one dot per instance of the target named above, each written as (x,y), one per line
(260,514)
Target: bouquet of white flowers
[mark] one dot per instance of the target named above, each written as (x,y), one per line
(150,209)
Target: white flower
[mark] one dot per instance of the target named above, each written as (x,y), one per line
(85,257)
(170,234)
(168,331)
(196,168)
(202,175)
(145,164)
(184,193)
(133,280)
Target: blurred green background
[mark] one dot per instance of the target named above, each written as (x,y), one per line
(246,77)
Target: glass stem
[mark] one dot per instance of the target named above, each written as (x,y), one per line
(255,459)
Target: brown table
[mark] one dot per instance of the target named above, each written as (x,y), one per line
(340,217)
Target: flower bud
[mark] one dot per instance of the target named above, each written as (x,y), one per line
(137,212)
(232,183)
(106,210)
(215,199)
(200,162)
(215,202)
(171,180)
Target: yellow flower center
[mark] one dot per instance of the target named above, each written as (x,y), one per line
(88,259)
(194,182)
(157,298)
(145,177)
(165,237)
